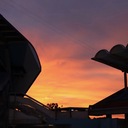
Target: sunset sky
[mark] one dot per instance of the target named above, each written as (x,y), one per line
(66,35)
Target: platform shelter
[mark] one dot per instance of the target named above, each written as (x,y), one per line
(116,103)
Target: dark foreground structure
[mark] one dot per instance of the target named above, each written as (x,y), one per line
(116,103)
(20,66)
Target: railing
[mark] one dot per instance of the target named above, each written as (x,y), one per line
(30,106)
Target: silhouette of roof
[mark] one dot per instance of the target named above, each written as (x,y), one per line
(116,103)
(8,32)
(117,57)
(24,62)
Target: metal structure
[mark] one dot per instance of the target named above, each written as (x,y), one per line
(19,66)
(117,57)
(18,57)
(117,103)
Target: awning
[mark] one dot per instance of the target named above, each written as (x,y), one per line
(116,103)
(117,57)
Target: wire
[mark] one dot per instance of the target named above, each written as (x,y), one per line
(52,27)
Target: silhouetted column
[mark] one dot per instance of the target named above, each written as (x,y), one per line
(125,79)
(126,116)
(108,116)
(4,85)
(4,106)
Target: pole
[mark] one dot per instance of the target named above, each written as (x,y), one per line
(125,79)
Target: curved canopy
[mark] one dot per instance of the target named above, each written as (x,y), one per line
(117,57)
(18,58)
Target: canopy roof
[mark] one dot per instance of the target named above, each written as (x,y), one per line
(18,58)
(116,103)
(117,57)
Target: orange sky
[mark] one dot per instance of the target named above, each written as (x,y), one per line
(64,82)
(66,35)
(69,81)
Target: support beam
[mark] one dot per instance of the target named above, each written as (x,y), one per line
(109,116)
(126,116)
(125,79)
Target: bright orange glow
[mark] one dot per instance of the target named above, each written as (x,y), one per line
(70,81)
(66,34)
(68,78)
(72,91)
